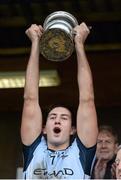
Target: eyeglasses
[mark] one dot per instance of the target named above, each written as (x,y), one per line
(105,141)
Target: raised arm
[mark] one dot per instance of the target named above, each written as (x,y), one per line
(31,125)
(87,129)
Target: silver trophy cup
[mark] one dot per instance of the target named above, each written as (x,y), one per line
(56,43)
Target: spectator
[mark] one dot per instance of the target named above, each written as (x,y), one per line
(117,164)
(107,143)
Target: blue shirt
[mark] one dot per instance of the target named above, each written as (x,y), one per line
(72,163)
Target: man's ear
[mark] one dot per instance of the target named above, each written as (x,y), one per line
(44,130)
(73,130)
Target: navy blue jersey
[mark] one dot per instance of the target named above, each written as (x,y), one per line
(72,163)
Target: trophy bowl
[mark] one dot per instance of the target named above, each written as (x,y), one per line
(57,43)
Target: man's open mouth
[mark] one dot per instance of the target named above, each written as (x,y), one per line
(57,130)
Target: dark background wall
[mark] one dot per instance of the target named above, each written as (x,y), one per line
(10,145)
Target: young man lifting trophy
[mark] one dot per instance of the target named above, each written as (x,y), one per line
(50,152)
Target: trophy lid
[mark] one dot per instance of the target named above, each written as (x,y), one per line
(60,15)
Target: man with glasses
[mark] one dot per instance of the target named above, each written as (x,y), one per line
(107,143)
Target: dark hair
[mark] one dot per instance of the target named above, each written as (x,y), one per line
(52,106)
(109,129)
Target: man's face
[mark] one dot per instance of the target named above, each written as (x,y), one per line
(118,164)
(106,146)
(58,128)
